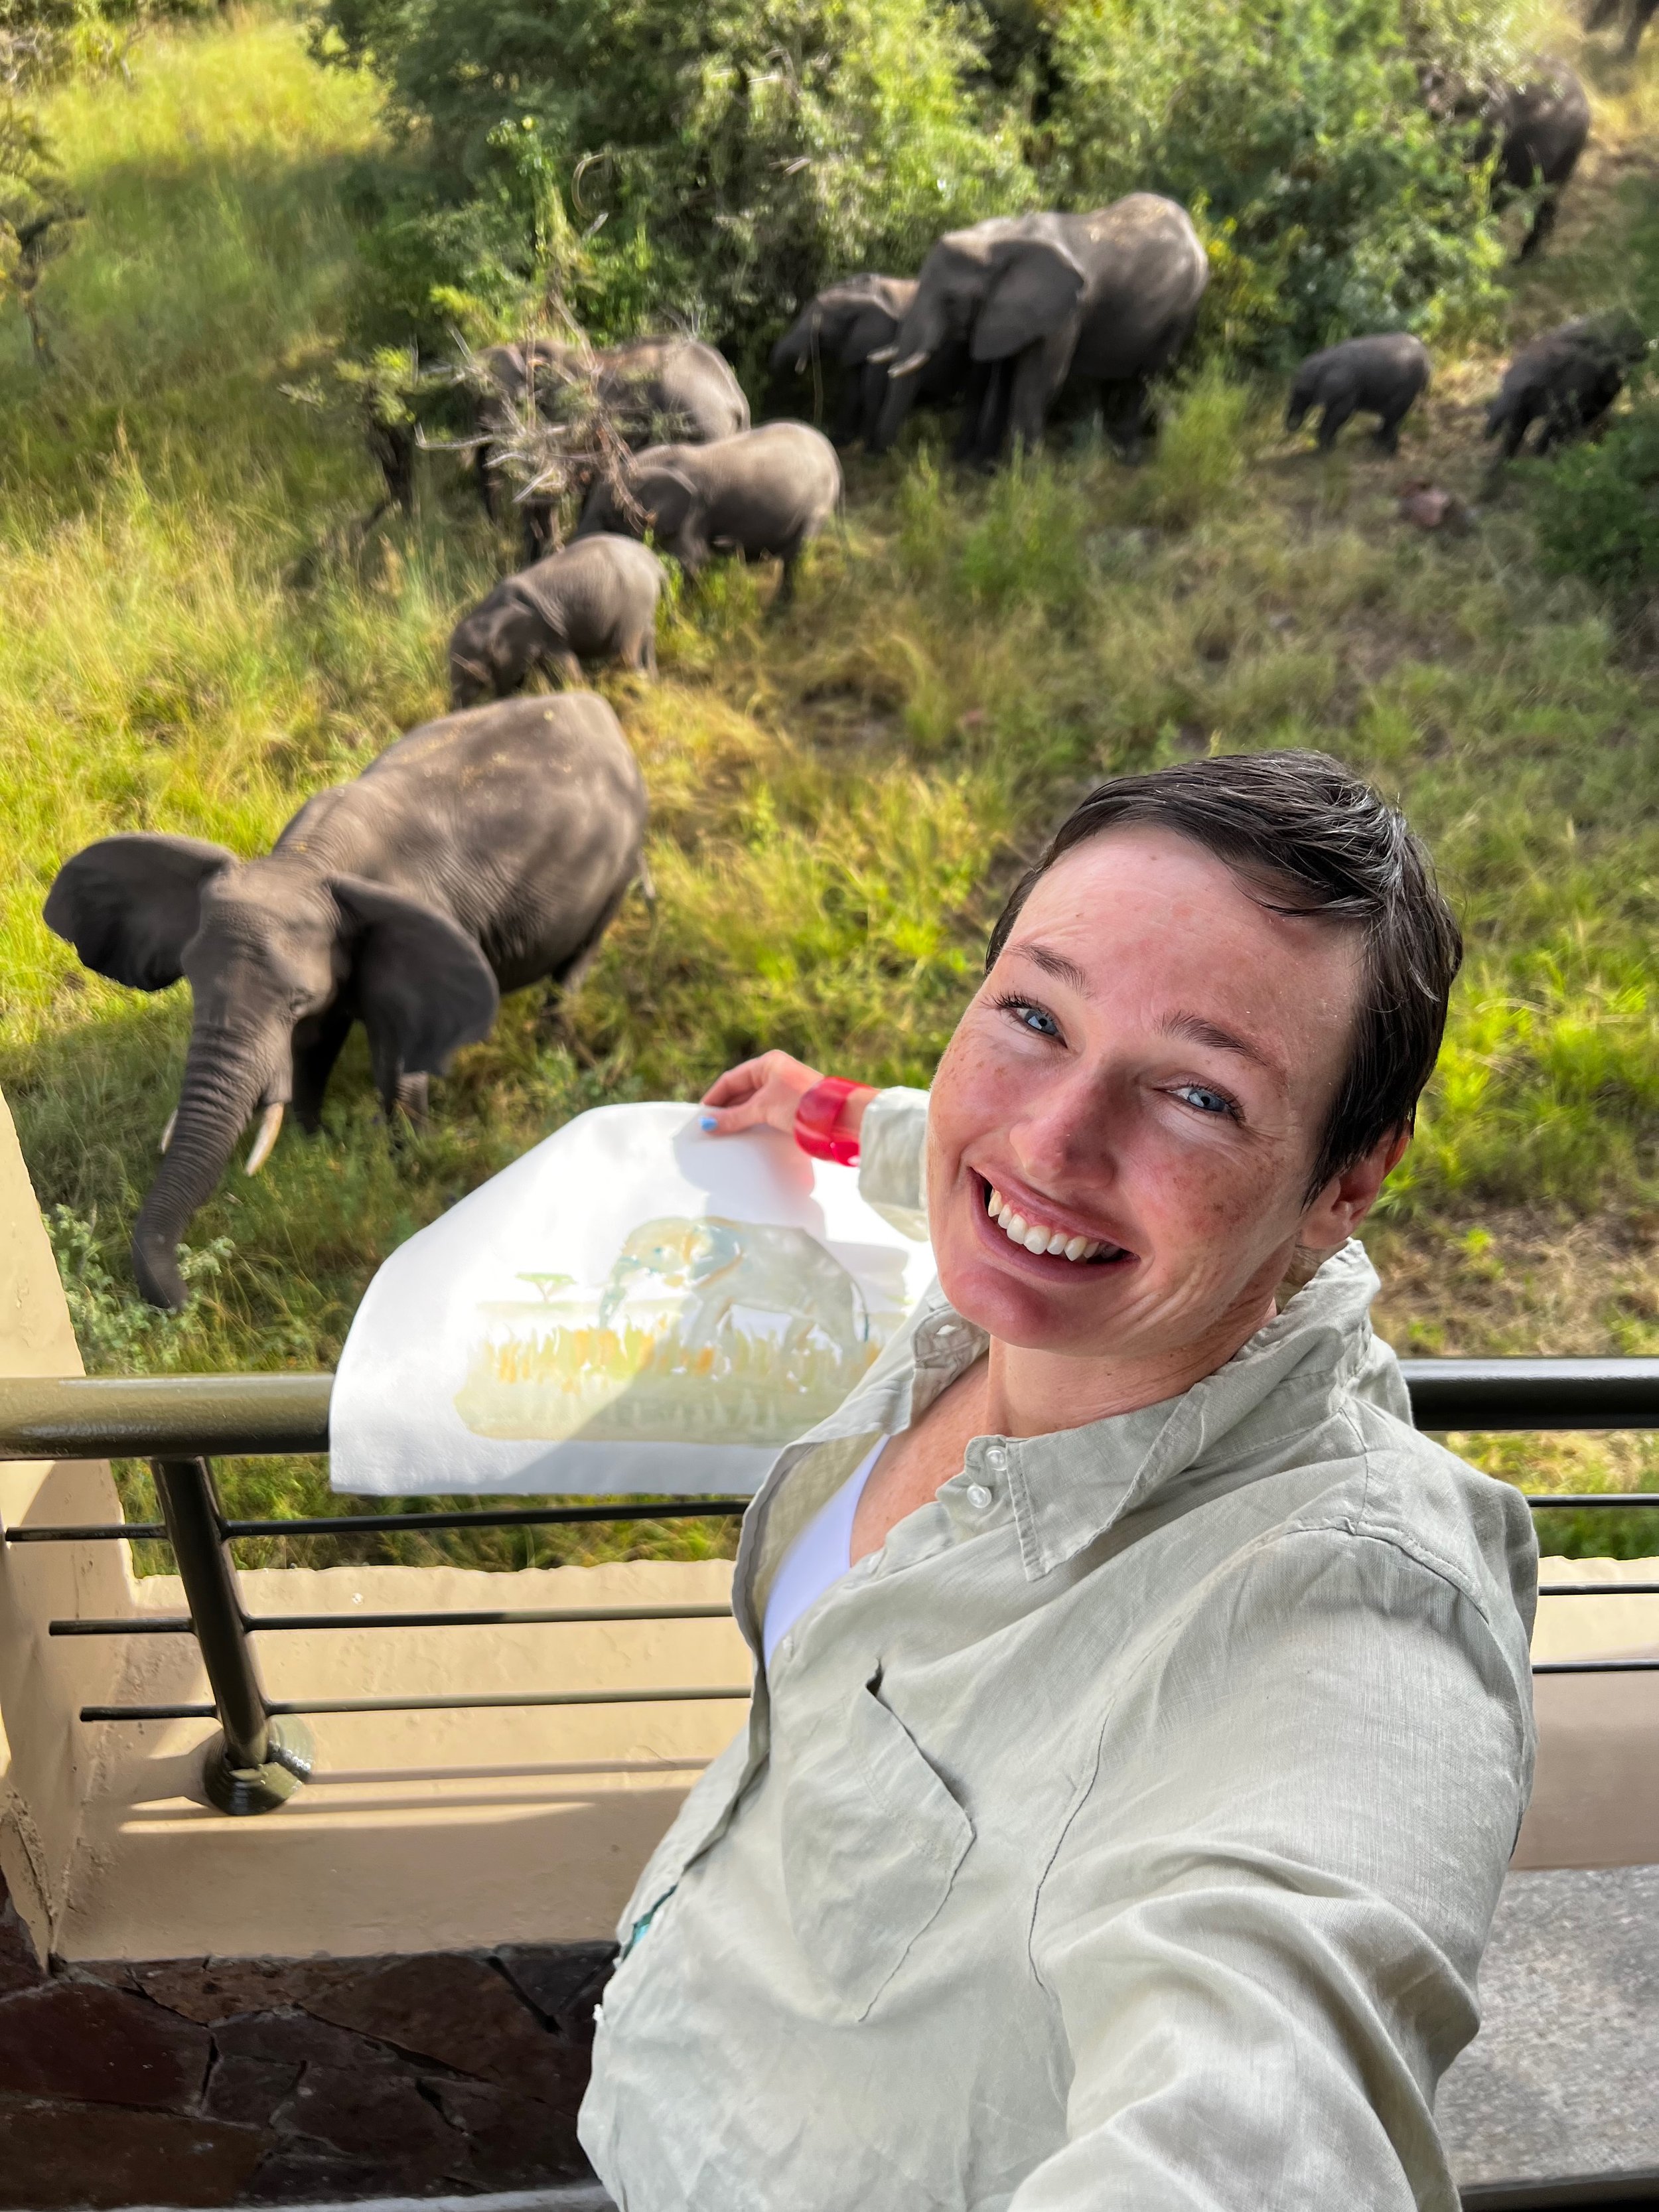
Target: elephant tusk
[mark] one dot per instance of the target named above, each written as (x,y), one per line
(909,365)
(166,1133)
(882,354)
(269,1123)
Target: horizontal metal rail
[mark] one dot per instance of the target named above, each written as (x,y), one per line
(295,1706)
(180,1623)
(336,1524)
(1598,1589)
(229,1416)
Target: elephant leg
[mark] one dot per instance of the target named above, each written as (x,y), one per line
(1131,422)
(1388,430)
(871,389)
(483,478)
(1601,12)
(1543,224)
(410,1101)
(849,421)
(1641,15)
(977,392)
(562,667)
(1034,382)
(539,538)
(1337,413)
(317,1045)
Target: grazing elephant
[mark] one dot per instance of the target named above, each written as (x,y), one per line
(1382,375)
(765,491)
(481,852)
(1537,128)
(843,327)
(1639,14)
(596,600)
(720,1268)
(653,390)
(1566,381)
(1107,298)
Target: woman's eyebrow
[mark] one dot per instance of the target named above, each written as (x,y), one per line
(1198,1028)
(1057,965)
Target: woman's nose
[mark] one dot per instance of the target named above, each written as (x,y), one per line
(1068,1143)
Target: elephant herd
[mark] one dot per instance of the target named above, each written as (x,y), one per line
(489,850)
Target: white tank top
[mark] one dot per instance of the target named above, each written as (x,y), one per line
(818,1559)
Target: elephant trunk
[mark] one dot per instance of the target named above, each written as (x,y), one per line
(221,1091)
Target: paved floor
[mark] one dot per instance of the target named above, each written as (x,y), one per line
(1563,2081)
(1564,2078)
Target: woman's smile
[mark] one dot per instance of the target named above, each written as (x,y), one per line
(1025,1228)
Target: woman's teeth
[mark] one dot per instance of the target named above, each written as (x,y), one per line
(1037,1237)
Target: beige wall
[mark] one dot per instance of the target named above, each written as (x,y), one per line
(46,1758)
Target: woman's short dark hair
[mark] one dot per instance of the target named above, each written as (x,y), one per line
(1310,838)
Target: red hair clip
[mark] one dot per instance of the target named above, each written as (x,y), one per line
(815,1118)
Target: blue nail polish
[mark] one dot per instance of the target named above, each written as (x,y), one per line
(708,1122)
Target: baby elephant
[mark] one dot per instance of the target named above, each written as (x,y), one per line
(1564,381)
(765,491)
(1382,376)
(596,600)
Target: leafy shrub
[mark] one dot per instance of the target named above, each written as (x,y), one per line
(1295,130)
(1597,507)
(678,157)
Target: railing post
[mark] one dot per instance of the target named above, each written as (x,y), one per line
(257,1763)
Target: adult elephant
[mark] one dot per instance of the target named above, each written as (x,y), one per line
(1537,127)
(1108,297)
(650,391)
(844,328)
(483,852)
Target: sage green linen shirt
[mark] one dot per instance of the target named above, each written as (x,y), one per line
(1123,1835)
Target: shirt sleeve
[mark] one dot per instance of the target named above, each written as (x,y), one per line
(1263,1925)
(893,1159)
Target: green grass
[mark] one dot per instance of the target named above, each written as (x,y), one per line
(839,796)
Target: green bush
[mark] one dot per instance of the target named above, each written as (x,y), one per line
(1597,507)
(1295,131)
(677,158)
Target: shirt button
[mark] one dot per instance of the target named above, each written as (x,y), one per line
(978,1496)
(994,1455)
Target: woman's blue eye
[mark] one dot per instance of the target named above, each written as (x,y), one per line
(1199,1095)
(1033,1018)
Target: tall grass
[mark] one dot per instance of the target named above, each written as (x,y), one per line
(839,794)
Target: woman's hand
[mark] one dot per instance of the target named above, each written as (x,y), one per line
(766,1093)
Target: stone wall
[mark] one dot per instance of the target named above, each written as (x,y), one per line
(233,2081)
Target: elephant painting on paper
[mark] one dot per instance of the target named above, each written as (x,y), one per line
(716,1268)
(1107,298)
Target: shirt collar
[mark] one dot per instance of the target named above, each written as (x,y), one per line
(1068,1488)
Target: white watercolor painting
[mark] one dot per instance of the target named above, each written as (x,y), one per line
(634,1305)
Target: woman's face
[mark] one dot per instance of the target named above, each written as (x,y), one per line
(1143,1077)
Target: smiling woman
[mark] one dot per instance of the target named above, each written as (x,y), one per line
(1144,1720)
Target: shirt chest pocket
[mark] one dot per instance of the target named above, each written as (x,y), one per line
(872,1843)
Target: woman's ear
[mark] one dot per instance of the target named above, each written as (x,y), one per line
(1347,1198)
(423,987)
(129,905)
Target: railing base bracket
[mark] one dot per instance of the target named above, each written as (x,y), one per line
(260,1788)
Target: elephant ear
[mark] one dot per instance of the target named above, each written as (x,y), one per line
(129,905)
(1032,293)
(422,985)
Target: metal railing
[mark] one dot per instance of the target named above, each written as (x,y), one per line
(262,1751)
